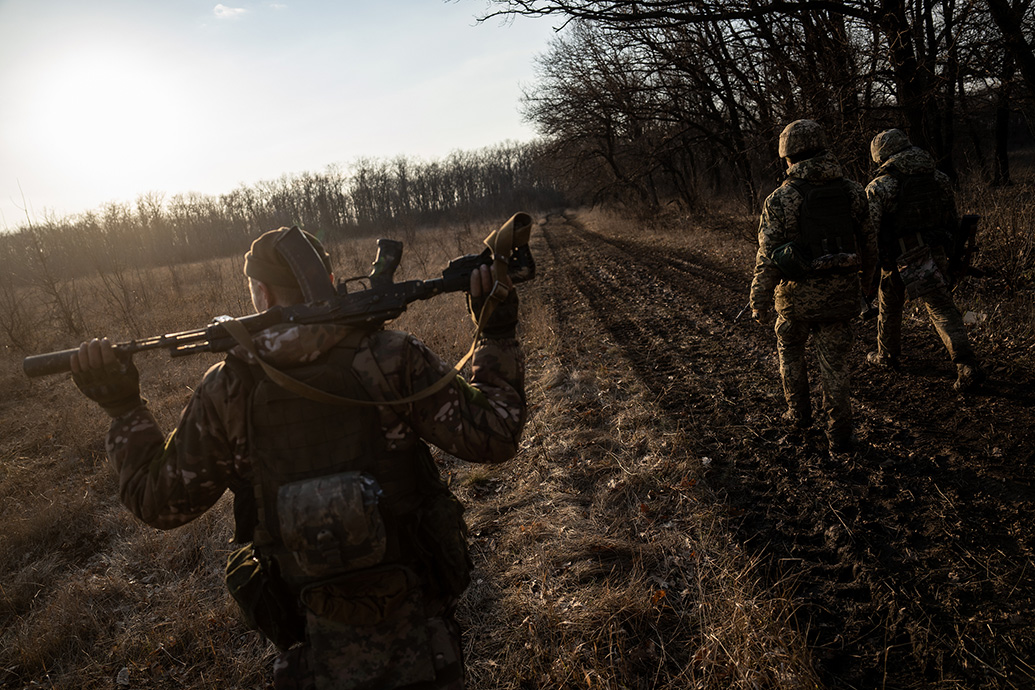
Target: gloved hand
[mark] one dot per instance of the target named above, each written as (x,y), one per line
(112,382)
(502,322)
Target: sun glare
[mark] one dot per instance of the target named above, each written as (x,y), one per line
(112,117)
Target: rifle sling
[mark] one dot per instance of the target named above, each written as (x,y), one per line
(244,339)
(501,242)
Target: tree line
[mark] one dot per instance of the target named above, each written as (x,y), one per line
(645,101)
(370,196)
(42,261)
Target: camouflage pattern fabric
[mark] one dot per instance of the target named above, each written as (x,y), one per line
(821,306)
(293,670)
(940,308)
(882,194)
(832,342)
(919,272)
(369,632)
(169,481)
(823,297)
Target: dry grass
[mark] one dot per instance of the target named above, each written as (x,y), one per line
(602,560)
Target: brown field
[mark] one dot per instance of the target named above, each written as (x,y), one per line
(656,530)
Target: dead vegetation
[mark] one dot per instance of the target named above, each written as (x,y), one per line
(619,550)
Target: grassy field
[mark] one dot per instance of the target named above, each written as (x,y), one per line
(603,557)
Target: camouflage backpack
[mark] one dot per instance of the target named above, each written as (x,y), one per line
(921,214)
(826,229)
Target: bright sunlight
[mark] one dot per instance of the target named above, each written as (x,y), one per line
(109,116)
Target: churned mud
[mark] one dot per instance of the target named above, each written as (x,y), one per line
(912,558)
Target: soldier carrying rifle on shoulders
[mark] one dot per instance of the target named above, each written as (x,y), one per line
(351,551)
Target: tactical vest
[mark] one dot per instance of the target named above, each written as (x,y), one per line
(826,224)
(919,215)
(328,496)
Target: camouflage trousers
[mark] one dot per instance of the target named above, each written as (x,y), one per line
(832,342)
(387,643)
(940,308)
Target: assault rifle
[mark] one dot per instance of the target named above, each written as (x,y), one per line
(382,301)
(964,247)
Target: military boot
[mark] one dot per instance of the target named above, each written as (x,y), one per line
(797,420)
(969,376)
(884,360)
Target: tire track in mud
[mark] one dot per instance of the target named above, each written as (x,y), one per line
(914,558)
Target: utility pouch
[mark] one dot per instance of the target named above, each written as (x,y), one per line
(441,536)
(332,524)
(368,630)
(919,272)
(793,260)
(265,601)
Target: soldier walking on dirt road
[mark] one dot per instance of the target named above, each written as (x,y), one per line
(351,551)
(814,241)
(913,208)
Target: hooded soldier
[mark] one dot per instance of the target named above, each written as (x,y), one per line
(913,208)
(814,243)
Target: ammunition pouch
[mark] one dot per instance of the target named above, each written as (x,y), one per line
(332,524)
(793,261)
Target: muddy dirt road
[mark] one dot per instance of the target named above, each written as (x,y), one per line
(913,558)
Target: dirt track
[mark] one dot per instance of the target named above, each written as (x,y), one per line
(913,559)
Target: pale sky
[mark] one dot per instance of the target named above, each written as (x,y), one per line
(102,100)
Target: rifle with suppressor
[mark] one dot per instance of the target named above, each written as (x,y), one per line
(384,300)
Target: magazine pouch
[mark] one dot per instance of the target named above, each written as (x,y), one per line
(793,260)
(332,524)
(919,272)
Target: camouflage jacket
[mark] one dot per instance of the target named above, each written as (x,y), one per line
(169,481)
(882,192)
(822,297)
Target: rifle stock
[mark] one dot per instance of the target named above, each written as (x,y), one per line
(384,300)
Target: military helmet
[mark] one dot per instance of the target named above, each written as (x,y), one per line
(802,136)
(887,144)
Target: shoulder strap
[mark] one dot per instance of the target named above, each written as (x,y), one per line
(244,339)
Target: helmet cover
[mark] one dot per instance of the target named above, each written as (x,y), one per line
(887,144)
(802,136)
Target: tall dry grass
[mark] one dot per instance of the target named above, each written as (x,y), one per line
(601,556)
(89,597)
(1001,304)
(601,560)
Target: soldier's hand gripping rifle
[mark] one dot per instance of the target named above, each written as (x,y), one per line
(384,300)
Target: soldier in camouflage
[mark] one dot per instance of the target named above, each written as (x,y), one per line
(814,243)
(913,207)
(352,550)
